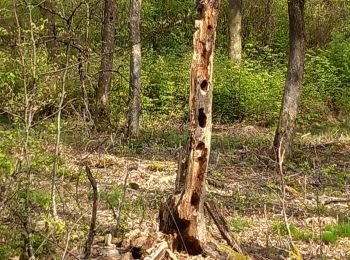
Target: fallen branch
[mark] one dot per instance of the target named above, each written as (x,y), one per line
(222,226)
(333,201)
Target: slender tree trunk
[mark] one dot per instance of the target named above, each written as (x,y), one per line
(28,119)
(287,120)
(268,23)
(51,41)
(108,46)
(55,167)
(135,69)
(235,28)
(83,66)
(183,213)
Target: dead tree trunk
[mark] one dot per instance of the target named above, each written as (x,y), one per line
(108,46)
(183,213)
(287,120)
(135,69)
(235,28)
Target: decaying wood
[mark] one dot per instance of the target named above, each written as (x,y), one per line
(222,226)
(91,235)
(159,253)
(183,213)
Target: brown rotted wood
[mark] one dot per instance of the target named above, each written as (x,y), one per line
(183,213)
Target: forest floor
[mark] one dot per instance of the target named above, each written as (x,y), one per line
(134,177)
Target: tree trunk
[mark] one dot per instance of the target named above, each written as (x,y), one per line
(183,213)
(235,28)
(135,69)
(108,46)
(287,120)
(51,41)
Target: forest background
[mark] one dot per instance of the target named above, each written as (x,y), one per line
(50,55)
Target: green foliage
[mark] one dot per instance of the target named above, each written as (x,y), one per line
(239,224)
(281,229)
(248,92)
(167,26)
(57,226)
(329,237)
(7,164)
(39,200)
(113,196)
(11,243)
(334,232)
(165,93)
(321,210)
(335,175)
(331,234)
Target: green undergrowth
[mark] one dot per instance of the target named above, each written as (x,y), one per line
(331,233)
(297,234)
(238,224)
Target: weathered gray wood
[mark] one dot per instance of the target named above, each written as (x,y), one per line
(135,69)
(235,30)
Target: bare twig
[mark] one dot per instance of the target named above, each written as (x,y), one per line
(55,244)
(66,246)
(91,235)
(58,138)
(54,113)
(320,226)
(280,160)
(121,202)
(28,116)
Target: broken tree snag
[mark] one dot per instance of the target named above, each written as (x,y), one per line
(183,213)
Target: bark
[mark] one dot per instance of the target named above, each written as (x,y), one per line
(183,213)
(295,73)
(268,23)
(106,67)
(135,69)
(235,28)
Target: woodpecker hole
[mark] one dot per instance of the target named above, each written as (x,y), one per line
(204,85)
(195,199)
(202,118)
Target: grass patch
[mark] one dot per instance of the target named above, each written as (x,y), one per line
(239,224)
(319,210)
(331,234)
(297,234)
(334,232)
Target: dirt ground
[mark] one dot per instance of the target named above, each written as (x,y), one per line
(244,182)
(135,178)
